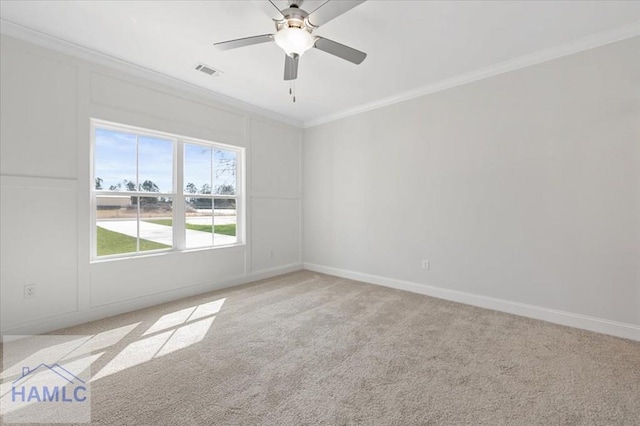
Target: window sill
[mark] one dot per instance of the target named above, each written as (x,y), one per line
(166,252)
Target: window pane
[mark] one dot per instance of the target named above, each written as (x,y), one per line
(115,160)
(197,169)
(225,222)
(156,223)
(225,172)
(116,207)
(199,222)
(155,164)
(116,230)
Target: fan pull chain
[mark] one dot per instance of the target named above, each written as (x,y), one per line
(292,89)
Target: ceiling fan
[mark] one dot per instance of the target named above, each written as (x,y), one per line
(294,32)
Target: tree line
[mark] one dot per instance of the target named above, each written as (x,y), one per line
(150,186)
(190,188)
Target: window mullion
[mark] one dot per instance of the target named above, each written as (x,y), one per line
(239,194)
(179,212)
(137,188)
(213,200)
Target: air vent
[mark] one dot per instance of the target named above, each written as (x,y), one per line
(207,70)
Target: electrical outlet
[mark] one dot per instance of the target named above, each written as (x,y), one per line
(425,264)
(29,291)
(271,253)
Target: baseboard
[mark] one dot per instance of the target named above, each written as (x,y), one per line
(45,325)
(598,325)
(273,272)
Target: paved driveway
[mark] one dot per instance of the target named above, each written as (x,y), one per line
(164,234)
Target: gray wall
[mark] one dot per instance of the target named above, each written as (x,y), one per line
(523,187)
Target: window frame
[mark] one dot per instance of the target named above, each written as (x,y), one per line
(178,210)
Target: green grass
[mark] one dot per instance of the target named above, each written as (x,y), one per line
(229,229)
(110,242)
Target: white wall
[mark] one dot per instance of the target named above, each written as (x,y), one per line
(523,187)
(523,191)
(47,100)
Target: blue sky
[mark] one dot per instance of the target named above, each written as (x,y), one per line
(115,161)
(197,165)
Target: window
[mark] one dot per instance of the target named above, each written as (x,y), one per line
(158,192)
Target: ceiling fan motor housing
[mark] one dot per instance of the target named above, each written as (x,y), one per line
(294,33)
(294,18)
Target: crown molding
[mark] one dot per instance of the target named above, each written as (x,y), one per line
(38,38)
(44,40)
(586,43)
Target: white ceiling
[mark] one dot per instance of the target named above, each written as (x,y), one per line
(411,45)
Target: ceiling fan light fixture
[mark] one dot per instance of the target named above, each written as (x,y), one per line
(294,41)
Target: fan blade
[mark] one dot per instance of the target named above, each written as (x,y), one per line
(330,10)
(270,9)
(242,42)
(340,50)
(291,67)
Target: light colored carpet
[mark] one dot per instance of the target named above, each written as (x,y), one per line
(307,348)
